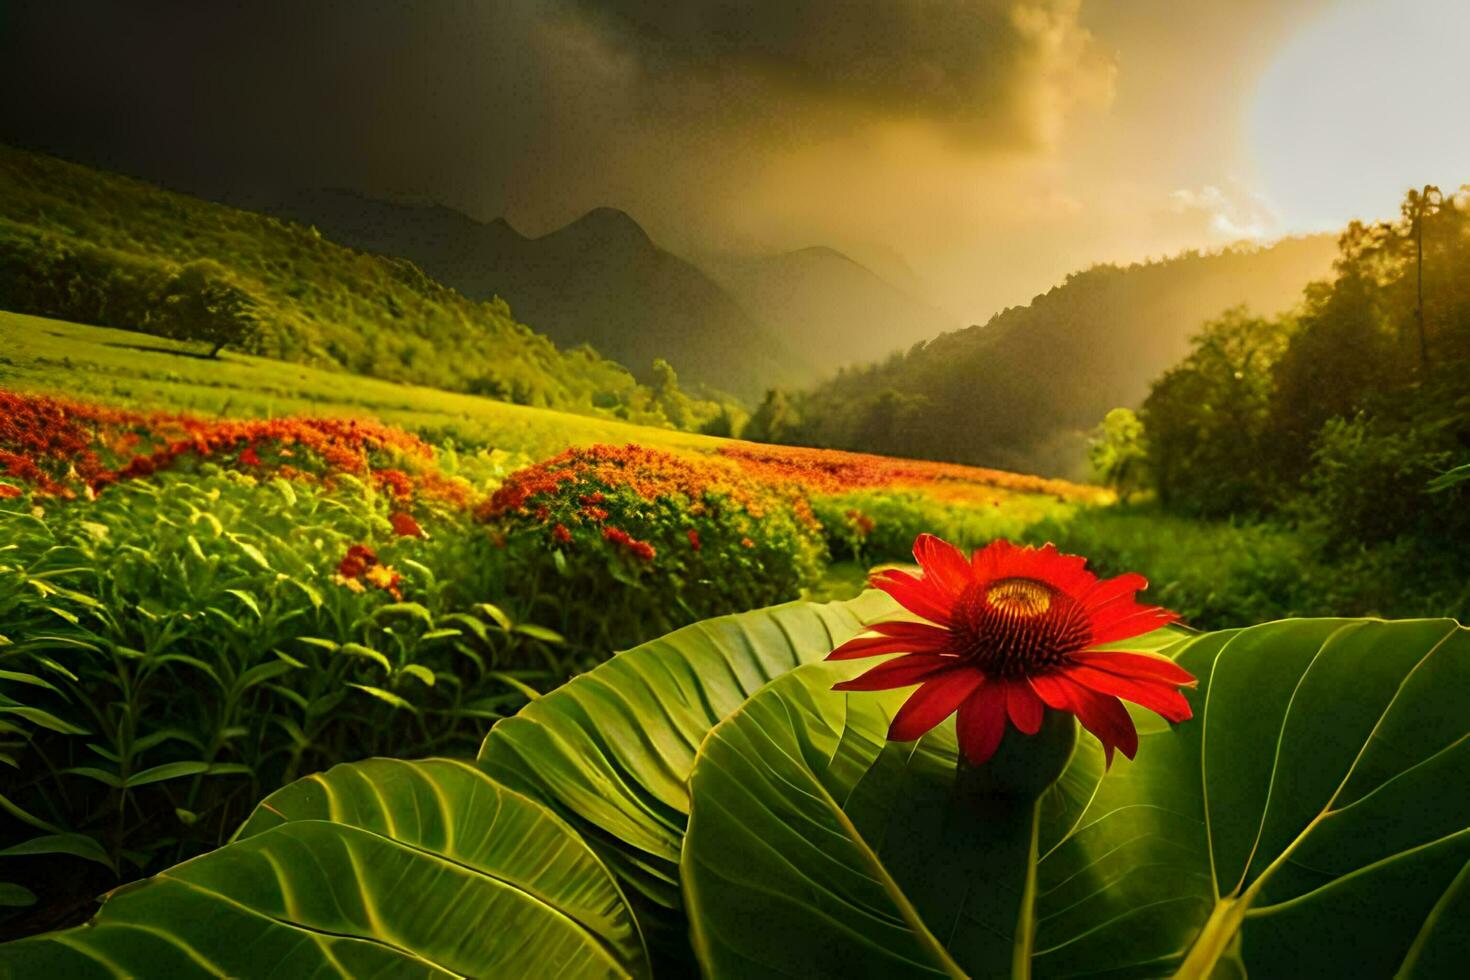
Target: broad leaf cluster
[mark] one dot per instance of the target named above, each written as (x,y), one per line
(707,801)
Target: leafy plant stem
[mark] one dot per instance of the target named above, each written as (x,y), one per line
(1026,925)
(1219,931)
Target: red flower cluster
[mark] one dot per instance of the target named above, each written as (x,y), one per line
(1010,632)
(694,539)
(61,447)
(8,492)
(641,550)
(361,564)
(359,558)
(404,525)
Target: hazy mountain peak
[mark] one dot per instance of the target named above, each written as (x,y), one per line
(606,225)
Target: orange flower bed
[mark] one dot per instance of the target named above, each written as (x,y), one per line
(831,471)
(61,447)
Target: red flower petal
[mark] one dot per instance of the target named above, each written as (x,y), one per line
(934,701)
(989,561)
(899,638)
(916,595)
(1143,619)
(944,565)
(1024,707)
(935,636)
(1156,696)
(1107,590)
(982,722)
(1136,665)
(902,671)
(1100,714)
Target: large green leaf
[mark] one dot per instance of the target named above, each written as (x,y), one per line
(612,749)
(379,868)
(1312,820)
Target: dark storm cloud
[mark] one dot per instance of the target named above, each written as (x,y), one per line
(536,108)
(993,70)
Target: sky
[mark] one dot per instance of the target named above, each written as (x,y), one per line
(975,151)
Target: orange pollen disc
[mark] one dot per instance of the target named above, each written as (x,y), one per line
(1019,597)
(1018,626)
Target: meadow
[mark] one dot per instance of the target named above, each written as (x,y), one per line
(221,576)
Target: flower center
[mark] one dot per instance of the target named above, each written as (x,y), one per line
(1018,626)
(1020,597)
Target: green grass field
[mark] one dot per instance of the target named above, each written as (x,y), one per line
(146,372)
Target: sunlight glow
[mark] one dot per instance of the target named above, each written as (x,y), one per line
(1364,103)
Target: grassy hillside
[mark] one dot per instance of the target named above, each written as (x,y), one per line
(1023,390)
(127,368)
(599,281)
(98,248)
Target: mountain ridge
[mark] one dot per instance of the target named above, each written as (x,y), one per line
(1022,390)
(599,280)
(834,310)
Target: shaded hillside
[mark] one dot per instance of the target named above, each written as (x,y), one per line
(1021,391)
(600,281)
(832,310)
(94,247)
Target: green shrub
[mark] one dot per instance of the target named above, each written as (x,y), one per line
(660,540)
(182,646)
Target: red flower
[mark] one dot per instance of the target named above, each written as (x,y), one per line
(8,491)
(641,550)
(405,526)
(561,534)
(694,539)
(249,457)
(1012,631)
(358,560)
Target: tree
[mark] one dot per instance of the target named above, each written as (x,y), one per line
(776,420)
(676,406)
(1118,451)
(204,302)
(1206,418)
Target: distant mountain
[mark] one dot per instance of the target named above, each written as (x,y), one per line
(1022,391)
(94,247)
(832,310)
(600,281)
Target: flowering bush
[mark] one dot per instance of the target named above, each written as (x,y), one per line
(664,539)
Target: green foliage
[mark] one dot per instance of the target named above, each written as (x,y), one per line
(179,648)
(1311,818)
(203,302)
(382,868)
(1118,452)
(1369,482)
(80,244)
(1207,417)
(1341,416)
(1235,842)
(774,420)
